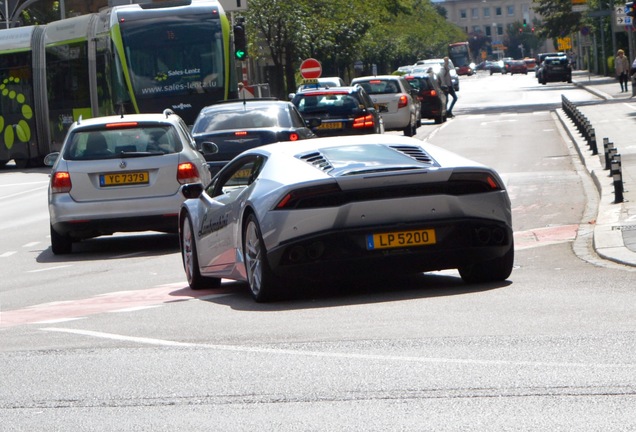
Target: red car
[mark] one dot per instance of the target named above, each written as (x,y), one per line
(516,67)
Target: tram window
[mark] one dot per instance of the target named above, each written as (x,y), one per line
(171,56)
(67,72)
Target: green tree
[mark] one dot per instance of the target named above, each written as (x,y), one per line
(558,18)
(387,33)
(282,25)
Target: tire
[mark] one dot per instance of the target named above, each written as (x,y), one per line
(187,243)
(409,130)
(490,271)
(60,244)
(263,285)
(21,163)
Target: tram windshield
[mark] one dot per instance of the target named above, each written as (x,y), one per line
(174,55)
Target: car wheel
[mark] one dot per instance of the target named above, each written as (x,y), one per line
(21,163)
(491,72)
(409,130)
(439,119)
(490,271)
(60,244)
(188,246)
(259,276)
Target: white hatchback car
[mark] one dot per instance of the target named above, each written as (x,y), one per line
(396,101)
(121,174)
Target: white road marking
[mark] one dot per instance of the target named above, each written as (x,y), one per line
(22,193)
(162,342)
(134,309)
(8,254)
(49,268)
(61,320)
(28,245)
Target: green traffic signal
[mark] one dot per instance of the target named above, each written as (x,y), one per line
(240,42)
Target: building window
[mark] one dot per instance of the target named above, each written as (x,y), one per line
(476,29)
(462,14)
(488,31)
(486,12)
(474,13)
(498,11)
(500,31)
(511,10)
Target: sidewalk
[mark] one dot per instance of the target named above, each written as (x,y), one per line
(613,117)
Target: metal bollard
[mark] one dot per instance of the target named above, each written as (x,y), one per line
(617,176)
(608,149)
(592,142)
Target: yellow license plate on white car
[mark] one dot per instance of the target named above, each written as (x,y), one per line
(123,179)
(331,125)
(401,239)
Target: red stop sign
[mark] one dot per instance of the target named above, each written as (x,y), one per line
(310,68)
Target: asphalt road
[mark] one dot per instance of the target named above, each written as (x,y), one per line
(110,338)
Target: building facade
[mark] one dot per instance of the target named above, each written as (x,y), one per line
(491,18)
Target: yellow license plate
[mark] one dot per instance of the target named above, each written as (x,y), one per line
(332,125)
(127,178)
(401,239)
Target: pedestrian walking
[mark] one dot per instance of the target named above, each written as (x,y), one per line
(447,85)
(621,65)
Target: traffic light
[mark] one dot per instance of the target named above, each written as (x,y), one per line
(630,10)
(240,42)
(525,23)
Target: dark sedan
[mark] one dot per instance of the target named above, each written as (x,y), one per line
(432,98)
(339,111)
(236,126)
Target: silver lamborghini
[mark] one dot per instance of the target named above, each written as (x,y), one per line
(283,214)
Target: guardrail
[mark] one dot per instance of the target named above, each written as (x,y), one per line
(611,158)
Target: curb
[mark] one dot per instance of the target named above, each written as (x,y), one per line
(608,240)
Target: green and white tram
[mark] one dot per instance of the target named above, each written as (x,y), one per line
(125,59)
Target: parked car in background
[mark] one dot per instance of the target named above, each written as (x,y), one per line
(554,69)
(436,65)
(516,67)
(432,99)
(121,174)
(339,111)
(403,70)
(235,126)
(281,216)
(531,63)
(395,100)
(495,66)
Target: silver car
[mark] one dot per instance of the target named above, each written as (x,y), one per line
(395,100)
(436,65)
(121,174)
(281,215)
